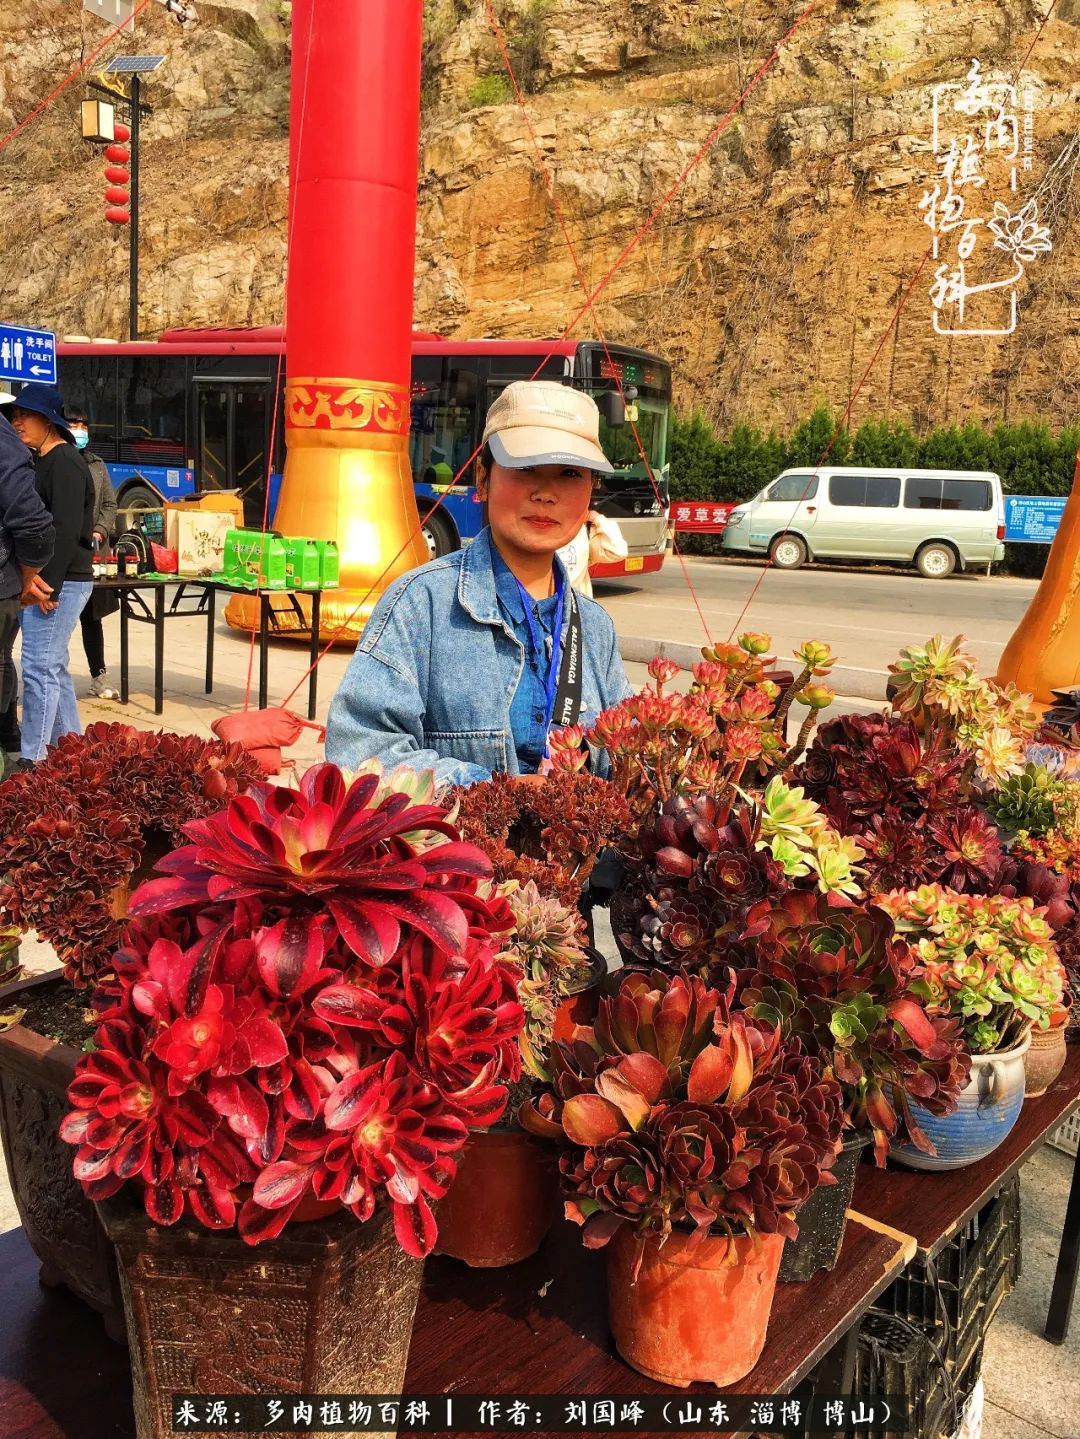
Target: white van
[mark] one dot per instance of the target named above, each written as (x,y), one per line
(937,520)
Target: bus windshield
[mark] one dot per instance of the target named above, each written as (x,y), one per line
(621,446)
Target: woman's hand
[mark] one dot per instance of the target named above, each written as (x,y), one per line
(530,778)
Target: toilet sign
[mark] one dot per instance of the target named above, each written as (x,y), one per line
(27,355)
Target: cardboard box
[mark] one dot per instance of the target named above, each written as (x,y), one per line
(222,502)
(255,558)
(200,542)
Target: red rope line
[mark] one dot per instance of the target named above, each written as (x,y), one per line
(556,205)
(704,149)
(51,96)
(895,320)
(277,376)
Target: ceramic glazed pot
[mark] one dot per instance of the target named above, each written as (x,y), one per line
(1044,1061)
(327,1308)
(823,1218)
(691,1315)
(988,1108)
(502,1200)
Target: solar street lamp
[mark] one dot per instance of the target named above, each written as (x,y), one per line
(98,122)
(134,67)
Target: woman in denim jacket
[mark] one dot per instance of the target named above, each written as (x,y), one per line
(458,669)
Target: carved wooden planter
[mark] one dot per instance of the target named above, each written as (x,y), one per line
(327,1308)
(60,1222)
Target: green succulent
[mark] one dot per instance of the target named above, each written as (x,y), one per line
(1027,801)
(835,862)
(787,814)
(854,1021)
(794,861)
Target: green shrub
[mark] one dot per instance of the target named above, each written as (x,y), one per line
(489,90)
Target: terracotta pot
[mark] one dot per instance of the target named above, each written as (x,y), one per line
(692,1315)
(823,1218)
(583,1000)
(327,1308)
(502,1201)
(1044,1061)
(60,1223)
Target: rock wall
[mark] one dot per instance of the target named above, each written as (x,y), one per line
(770,279)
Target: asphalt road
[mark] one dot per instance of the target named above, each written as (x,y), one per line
(866,615)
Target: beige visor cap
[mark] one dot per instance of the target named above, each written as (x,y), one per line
(540,422)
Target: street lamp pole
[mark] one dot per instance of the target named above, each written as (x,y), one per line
(133,237)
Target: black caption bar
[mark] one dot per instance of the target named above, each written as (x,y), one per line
(547,1413)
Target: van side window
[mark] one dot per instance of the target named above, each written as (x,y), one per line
(880,492)
(922,494)
(794,488)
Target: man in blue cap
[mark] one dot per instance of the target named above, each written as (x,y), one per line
(26,546)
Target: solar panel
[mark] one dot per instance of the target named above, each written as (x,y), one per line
(134,64)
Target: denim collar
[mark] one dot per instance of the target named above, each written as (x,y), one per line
(477,587)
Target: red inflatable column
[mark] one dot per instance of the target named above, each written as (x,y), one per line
(354,138)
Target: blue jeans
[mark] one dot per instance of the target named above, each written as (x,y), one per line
(50,708)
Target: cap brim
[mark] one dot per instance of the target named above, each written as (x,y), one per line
(535,445)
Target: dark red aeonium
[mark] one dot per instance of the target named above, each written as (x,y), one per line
(310,1004)
(716,1129)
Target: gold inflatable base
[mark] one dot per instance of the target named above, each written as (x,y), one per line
(355,488)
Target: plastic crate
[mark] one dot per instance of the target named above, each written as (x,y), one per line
(954,1297)
(1066,1137)
(895,1356)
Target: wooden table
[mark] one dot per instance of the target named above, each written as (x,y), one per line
(932,1208)
(476,1331)
(135,607)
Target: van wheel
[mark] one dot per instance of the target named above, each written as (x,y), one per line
(440,536)
(788,552)
(935,562)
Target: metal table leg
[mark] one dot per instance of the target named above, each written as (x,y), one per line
(313,654)
(1064,1290)
(159,649)
(124,638)
(264,646)
(210,593)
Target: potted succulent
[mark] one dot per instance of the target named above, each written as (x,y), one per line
(1046,1055)
(74,831)
(308,1018)
(834,974)
(691,1136)
(990,962)
(543,841)
(502,1201)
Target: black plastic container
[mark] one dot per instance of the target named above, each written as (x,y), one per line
(823,1218)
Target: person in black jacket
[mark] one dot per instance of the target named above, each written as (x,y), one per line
(102,603)
(64,483)
(26,545)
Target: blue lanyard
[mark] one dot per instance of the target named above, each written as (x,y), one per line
(536,642)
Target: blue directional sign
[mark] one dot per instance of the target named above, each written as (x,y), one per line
(27,354)
(1032,519)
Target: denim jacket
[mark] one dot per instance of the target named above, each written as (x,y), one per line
(431,681)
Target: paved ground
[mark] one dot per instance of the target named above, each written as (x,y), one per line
(866,615)
(1033,1389)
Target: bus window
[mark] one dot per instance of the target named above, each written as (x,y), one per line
(153,397)
(88,383)
(443,423)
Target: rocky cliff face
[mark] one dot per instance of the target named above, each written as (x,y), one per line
(769,279)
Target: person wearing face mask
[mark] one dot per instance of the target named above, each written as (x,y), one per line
(101,603)
(66,487)
(467,662)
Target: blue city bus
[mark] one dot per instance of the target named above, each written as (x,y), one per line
(193,411)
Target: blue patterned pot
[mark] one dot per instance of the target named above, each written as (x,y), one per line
(988,1108)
